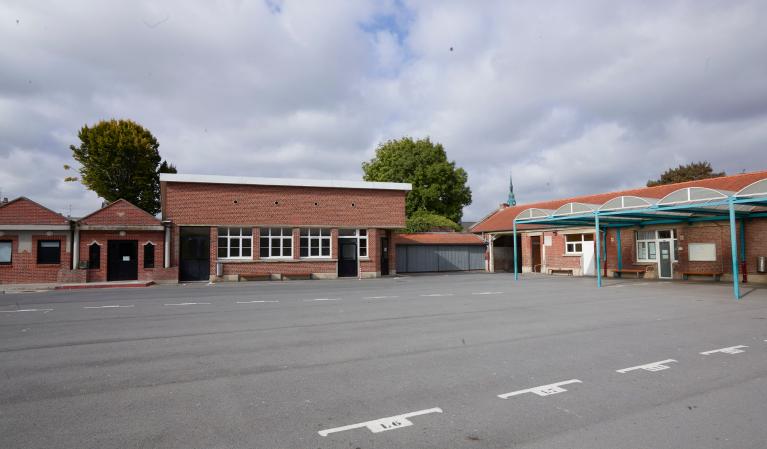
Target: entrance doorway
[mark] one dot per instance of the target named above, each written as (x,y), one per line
(664,261)
(384,256)
(535,243)
(194,255)
(122,260)
(347,260)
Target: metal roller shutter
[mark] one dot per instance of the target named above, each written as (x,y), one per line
(437,258)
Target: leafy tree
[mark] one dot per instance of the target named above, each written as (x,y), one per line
(689,172)
(120,159)
(423,221)
(438,186)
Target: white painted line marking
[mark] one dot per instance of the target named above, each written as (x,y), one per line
(729,350)
(188,304)
(487,293)
(543,390)
(323,299)
(106,307)
(27,310)
(253,302)
(655,366)
(438,294)
(383,424)
(379,297)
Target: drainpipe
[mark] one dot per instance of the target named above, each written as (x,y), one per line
(75,245)
(166,256)
(490,262)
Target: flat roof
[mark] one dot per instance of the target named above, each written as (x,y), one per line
(289,182)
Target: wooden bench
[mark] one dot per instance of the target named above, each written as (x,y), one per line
(255,277)
(567,271)
(297,276)
(636,271)
(715,274)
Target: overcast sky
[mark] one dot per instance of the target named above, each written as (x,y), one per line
(572,97)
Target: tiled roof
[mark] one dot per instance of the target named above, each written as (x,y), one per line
(503,219)
(120,212)
(23,211)
(438,238)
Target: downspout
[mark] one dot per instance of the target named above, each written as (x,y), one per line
(166,247)
(75,229)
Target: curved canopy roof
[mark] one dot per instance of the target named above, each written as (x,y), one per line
(758,188)
(626,202)
(533,212)
(574,209)
(692,195)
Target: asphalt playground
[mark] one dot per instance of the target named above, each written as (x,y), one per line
(438,361)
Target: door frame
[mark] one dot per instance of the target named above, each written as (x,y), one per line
(384,255)
(113,271)
(670,258)
(536,238)
(199,232)
(348,241)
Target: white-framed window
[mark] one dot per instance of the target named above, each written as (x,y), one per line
(574,242)
(235,243)
(315,242)
(276,242)
(647,244)
(362,239)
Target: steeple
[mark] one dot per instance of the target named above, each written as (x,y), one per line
(512,201)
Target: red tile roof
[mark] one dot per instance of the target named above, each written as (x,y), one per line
(438,238)
(502,219)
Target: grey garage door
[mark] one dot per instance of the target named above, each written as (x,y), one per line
(425,258)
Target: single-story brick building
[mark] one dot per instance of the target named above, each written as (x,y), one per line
(673,231)
(228,228)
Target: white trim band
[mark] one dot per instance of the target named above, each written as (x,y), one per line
(288,182)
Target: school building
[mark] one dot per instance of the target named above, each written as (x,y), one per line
(714,228)
(212,228)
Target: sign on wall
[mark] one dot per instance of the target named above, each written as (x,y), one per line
(702,252)
(546,240)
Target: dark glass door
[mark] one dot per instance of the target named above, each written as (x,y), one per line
(384,256)
(122,260)
(535,242)
(347,262)
(194,256)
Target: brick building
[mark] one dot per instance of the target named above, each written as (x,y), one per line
(233,227)
(665,232)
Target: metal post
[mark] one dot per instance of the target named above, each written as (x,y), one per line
(604,242)
(596,240)
(743,249)
(516,269)
(734,250)
(620,249)
(491,256)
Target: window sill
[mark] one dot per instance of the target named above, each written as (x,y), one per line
(573,255)
(49,265)
(318,259)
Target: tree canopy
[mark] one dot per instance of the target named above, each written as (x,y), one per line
(120,159)
(690,172)
(423,221)
(439,186)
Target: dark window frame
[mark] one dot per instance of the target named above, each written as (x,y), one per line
(51,258)
(94,263)
(147,260)
(10,261)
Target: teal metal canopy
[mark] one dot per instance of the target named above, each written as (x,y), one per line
(686,205)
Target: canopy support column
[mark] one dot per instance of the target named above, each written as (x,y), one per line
(743,249)
(598,252)
(516,269)
(604,245)
(734,250)
(620,248)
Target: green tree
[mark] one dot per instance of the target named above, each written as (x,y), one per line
(689,172)
(423,221)
(120,159)
(438,186)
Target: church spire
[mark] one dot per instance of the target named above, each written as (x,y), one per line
(512,201)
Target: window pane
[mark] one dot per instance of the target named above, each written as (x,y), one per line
(222,242)
(645,235)
(94,256)
(304,232)
(304,242)
(246,231)
(363,232)
(326,251)
(49,244)
(246,251)
(579,247)
(573,237)
(264,252)
(315,252)
(363,252)
(223,232)
(664,234)
(222,252)
(588,237)
(304,251)
(651,250)
(325,232)
(641,250)
(5,252)
(347,232)
(234,251)
(287,252)
(48,252)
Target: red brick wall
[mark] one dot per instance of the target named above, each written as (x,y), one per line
(120,213)
(144,274)
(23,211)
(24,268)
(296,265)
(225,205)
